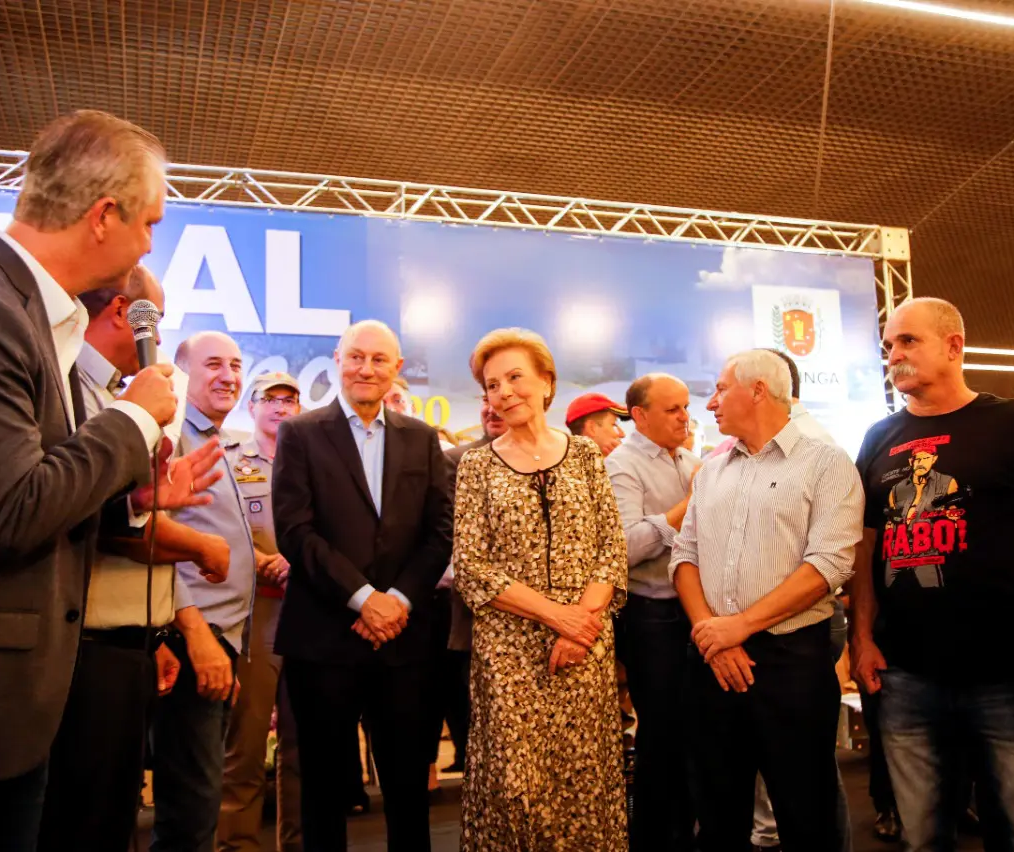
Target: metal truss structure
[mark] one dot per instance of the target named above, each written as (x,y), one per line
(241,187)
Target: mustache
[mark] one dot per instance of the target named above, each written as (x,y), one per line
(901,371)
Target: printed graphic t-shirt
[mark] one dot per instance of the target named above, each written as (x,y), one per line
(940,494)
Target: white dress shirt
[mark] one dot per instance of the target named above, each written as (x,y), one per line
(754,519)
(68,319)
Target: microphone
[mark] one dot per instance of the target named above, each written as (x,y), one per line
(143,317)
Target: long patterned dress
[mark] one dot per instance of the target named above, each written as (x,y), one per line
(544,764)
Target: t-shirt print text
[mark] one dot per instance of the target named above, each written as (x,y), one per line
(924,519)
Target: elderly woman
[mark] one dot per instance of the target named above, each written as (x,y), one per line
(540,559)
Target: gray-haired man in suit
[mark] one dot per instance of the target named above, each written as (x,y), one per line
(93,189)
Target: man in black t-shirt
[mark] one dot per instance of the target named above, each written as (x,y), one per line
(933,590)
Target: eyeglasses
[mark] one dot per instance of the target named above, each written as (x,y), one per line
(279,401)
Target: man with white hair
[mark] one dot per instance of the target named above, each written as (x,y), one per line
(363,515)
(934,583)
(768,536)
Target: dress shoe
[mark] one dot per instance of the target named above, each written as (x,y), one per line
(887,827)
(968,823)
(359,806)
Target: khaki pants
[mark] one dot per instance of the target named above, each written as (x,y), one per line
(261,687)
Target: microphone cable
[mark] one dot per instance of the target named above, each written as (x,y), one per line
(148,617)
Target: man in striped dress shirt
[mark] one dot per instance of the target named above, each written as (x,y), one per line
(769,534)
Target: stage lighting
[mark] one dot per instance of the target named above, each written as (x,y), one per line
(426,315)
(945,11)
(586,326)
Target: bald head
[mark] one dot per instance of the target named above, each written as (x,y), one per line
(639,391)
(108,330)
(374,329)
(938,314)
(213,362)
(659,404)
(140,283)
(368,358)
(925,340)
(198,343)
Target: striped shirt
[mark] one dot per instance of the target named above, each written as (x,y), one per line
(754,519)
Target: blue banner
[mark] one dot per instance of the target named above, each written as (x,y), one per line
(285,285)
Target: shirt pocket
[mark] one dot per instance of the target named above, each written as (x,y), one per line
(257,504)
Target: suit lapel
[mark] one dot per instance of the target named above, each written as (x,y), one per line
(80,415)
(340,434)
(394,454)
(24,282)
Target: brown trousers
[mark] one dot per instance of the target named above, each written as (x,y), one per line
(262,687)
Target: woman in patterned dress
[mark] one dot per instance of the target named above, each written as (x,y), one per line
(540,558)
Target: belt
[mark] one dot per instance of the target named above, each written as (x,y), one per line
(129,638)
(177,639)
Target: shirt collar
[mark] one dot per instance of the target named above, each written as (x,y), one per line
(353,417)
(198,419)
(99,369)
(60,307)
(648,446)
(785,440)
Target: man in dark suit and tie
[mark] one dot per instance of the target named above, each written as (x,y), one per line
(93,188)
(363,515)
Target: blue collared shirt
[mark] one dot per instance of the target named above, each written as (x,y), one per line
(647,483)
(228,605)
(370,443)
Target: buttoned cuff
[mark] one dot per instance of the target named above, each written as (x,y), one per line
(359,598)
(394,593)
(662,525)
(150,430)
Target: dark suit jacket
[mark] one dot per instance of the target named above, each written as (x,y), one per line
(328,529)
(52,485)
(461,616)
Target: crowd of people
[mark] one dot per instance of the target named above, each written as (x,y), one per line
(170,592)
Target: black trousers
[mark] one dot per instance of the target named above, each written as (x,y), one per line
(457,665)
(327,701)
(784,726)
(652,639)
(436,691)
(96,765)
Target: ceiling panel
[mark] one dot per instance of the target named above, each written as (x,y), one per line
(709,103)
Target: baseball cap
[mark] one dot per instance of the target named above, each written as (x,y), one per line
(266,381)
(593,403)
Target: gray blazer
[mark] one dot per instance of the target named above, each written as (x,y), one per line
(52,486)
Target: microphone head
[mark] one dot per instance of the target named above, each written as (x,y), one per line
(143,314)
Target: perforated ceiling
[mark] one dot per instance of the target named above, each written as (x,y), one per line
(698,103)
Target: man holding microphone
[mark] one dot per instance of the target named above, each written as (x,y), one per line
(93,190)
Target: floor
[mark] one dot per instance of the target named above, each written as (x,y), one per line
(366,833)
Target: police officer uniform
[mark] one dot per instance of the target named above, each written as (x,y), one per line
(260,677)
